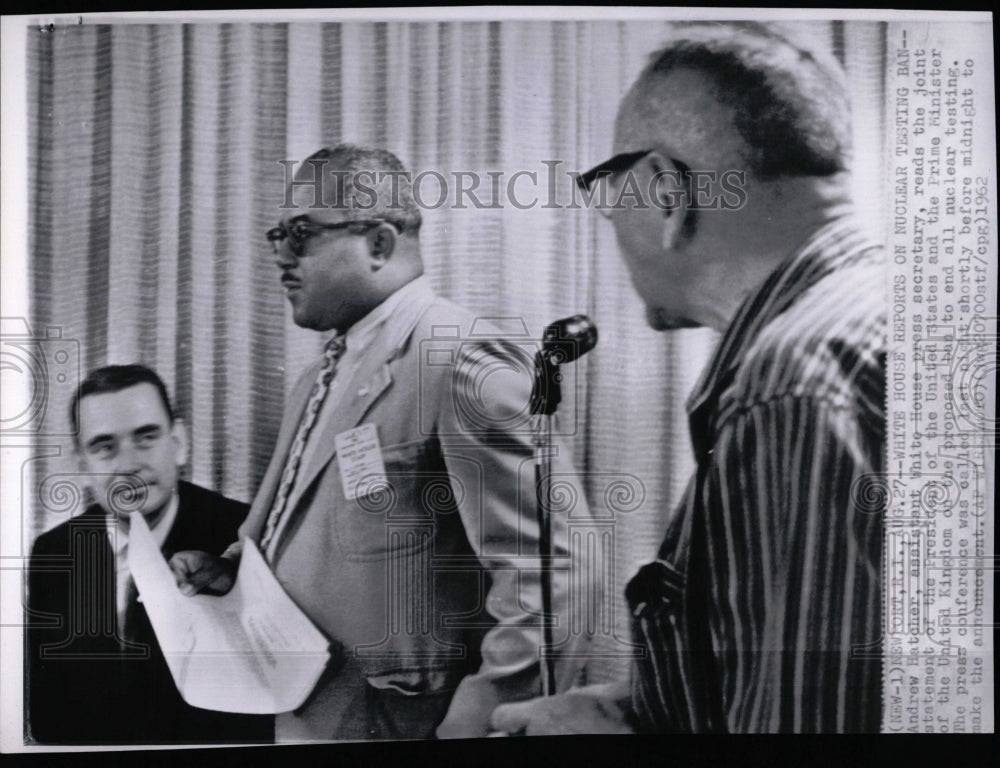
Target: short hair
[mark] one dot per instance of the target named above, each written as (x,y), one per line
(385,190)
(114,378)
(792,107)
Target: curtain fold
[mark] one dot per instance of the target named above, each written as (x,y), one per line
(154,173)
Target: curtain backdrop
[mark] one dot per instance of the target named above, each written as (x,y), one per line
(153,157)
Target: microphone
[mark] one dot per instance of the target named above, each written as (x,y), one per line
(568,339)
(564,341)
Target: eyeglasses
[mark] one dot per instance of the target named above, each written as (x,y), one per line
(300,230)
(619,164)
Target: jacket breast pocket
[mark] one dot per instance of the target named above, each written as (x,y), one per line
(399,513)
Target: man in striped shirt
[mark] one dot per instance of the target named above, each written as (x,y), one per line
(762,612)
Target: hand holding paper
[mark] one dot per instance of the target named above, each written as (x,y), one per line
(251,650)
(202,572)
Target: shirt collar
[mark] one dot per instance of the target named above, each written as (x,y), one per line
(160,530)
(829,248)
(396,314)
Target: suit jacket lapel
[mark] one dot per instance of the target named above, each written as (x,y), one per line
(289,425)
(191,528)
(371,378)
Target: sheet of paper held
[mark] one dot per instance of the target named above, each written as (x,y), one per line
(251,651)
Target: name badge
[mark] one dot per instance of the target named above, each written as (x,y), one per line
(359,455)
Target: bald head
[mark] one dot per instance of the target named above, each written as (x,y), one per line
(361,183)
(678,113)
(782,104)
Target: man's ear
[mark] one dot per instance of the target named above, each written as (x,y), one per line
(178,434)
(667,192)
(381,244)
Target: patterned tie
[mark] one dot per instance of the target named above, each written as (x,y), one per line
(331,354)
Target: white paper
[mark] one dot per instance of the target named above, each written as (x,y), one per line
(251,651)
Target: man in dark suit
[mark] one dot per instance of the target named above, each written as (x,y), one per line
(95,673)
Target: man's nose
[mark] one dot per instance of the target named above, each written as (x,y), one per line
(284,257)
(129,459)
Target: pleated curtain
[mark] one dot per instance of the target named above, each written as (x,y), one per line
(153,155)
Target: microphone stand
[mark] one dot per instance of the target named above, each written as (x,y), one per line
(564,341)
(545,398)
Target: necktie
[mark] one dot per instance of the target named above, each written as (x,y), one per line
(331,354)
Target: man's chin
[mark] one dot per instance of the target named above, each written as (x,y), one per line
(311,323)
(151,516)
(151,507)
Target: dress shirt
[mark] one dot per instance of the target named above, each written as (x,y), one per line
(118,534)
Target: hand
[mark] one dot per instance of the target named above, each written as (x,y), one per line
(468,714)
(592,709)
(201,572)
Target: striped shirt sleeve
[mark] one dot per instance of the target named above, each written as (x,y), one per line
(796,568)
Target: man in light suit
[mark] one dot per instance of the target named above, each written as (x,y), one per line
(425,575)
